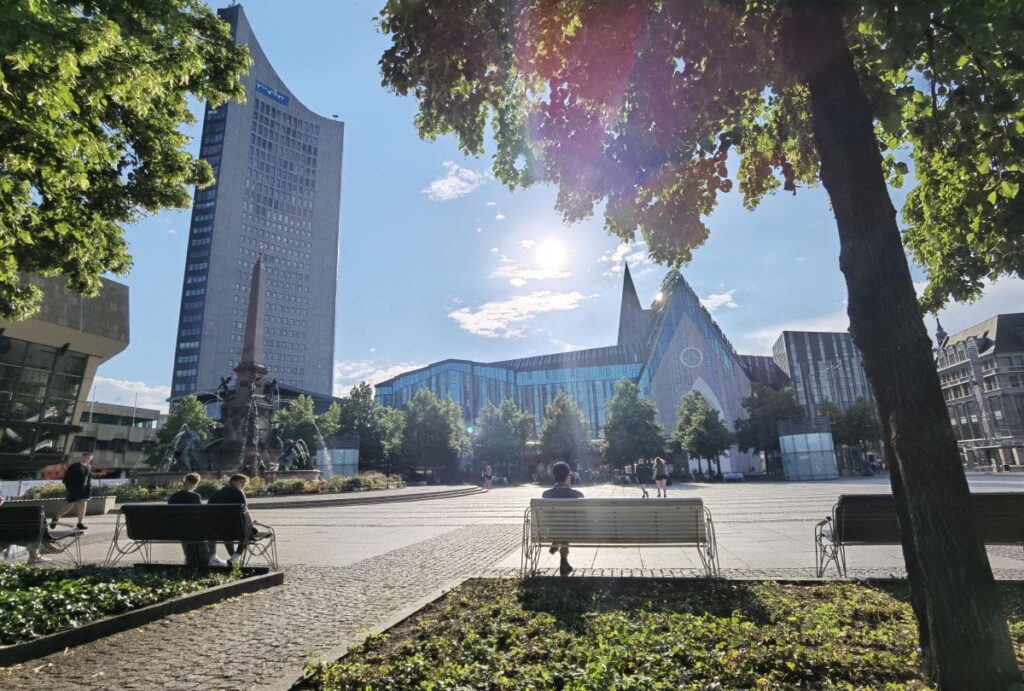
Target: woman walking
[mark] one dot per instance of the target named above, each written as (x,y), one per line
(488,476)
(661,476)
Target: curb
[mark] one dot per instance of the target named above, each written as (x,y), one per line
(296,676)
(55,642)
(340,501)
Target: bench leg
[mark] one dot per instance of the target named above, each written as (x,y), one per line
(524,558)
(709,550)
(827,552)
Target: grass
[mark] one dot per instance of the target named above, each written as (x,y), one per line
(38,602)
(636,634)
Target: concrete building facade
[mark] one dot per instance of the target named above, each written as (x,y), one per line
(981,370)
(119,436)
(277,195)
(47,367)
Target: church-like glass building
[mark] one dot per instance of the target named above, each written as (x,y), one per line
(668,349)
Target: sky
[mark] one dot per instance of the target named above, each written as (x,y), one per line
(438,260)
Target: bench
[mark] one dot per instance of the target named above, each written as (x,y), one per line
(26,526)
(140,525)
(676,522)
(870,519)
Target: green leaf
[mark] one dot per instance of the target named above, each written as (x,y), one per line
(1009,189)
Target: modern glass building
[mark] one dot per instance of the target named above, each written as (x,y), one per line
(47,367)
(669,349)
(823,366)
(278,194)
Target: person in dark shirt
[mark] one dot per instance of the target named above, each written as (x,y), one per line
(231,493)
(196,553)
(643,476)
(562,490)
(78,483)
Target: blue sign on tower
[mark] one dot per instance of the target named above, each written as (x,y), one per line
(271,93)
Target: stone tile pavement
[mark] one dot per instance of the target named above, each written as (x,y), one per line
(349,569)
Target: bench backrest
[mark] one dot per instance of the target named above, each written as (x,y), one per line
(618,521)
(871,518)
(186,522)
(21,525)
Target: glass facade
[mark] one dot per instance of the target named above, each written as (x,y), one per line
(823,367)
(39,387)
(667,350)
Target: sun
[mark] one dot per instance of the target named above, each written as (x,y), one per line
(551,254)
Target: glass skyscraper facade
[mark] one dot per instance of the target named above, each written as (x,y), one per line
(277,194)
(823,366)
(667,350)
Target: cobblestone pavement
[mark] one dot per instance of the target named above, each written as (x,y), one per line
(349,569)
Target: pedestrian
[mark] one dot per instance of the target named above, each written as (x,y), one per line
(576,480)
(78,485)
(231,493)
(661,476)
(196,553)
(562,490)
(643,477)
(488,476)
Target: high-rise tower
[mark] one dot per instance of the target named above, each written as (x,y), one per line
(278,194)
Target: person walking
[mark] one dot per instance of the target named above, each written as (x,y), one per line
(488,476)
(643,477)
(78,484)
(661,476)
(562,490)
(196,553)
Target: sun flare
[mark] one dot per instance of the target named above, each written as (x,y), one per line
(551,254)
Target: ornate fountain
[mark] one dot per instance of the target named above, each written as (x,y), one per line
(249,443)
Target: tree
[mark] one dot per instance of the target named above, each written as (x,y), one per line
(300,421)
(500,435)
(92,99)
(700,430)
(433,437)
(631,430)
(188,411)
(361,415)
(759,430)
(854,427)
(635,108)
(393,424)
(564,433)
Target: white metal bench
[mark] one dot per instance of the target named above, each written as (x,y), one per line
(682,522)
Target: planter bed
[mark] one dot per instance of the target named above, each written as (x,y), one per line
(583,633)
(157,584)
(95,506)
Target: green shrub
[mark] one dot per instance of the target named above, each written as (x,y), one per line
(50,490)
(38,602)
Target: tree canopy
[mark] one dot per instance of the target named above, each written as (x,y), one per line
(631,430)
(765,407)
(500,435)
(300,421)
(92,99)
(434,436)
(856,425)
(564,433)
(700,431)
(359,414)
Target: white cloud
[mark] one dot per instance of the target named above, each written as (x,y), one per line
(632,253)
(1000,297)
(492,204)
(500,217)
(519,275)
(504,318)
(527,244)
(565,345)
(494,250)
(760,342)
(479,230)
(801,258)
(172,231)
(455,183)
(348,373)
(373,350)
(715,300)
(125,391)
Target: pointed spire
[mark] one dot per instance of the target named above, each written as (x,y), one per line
(940,333)
(255,323)
(631,313)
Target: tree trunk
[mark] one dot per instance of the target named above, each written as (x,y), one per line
(956,601)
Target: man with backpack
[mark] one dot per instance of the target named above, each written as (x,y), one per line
(78,483)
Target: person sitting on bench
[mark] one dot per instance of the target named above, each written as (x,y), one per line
(196,553)
(231,493)
(562,490)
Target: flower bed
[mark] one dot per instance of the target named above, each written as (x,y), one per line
(643,634)
(257,487)
(39,602)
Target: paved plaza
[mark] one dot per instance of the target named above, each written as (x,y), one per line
(353,569)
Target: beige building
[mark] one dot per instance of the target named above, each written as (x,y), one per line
(47,366)
(982,374)
(119,436)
